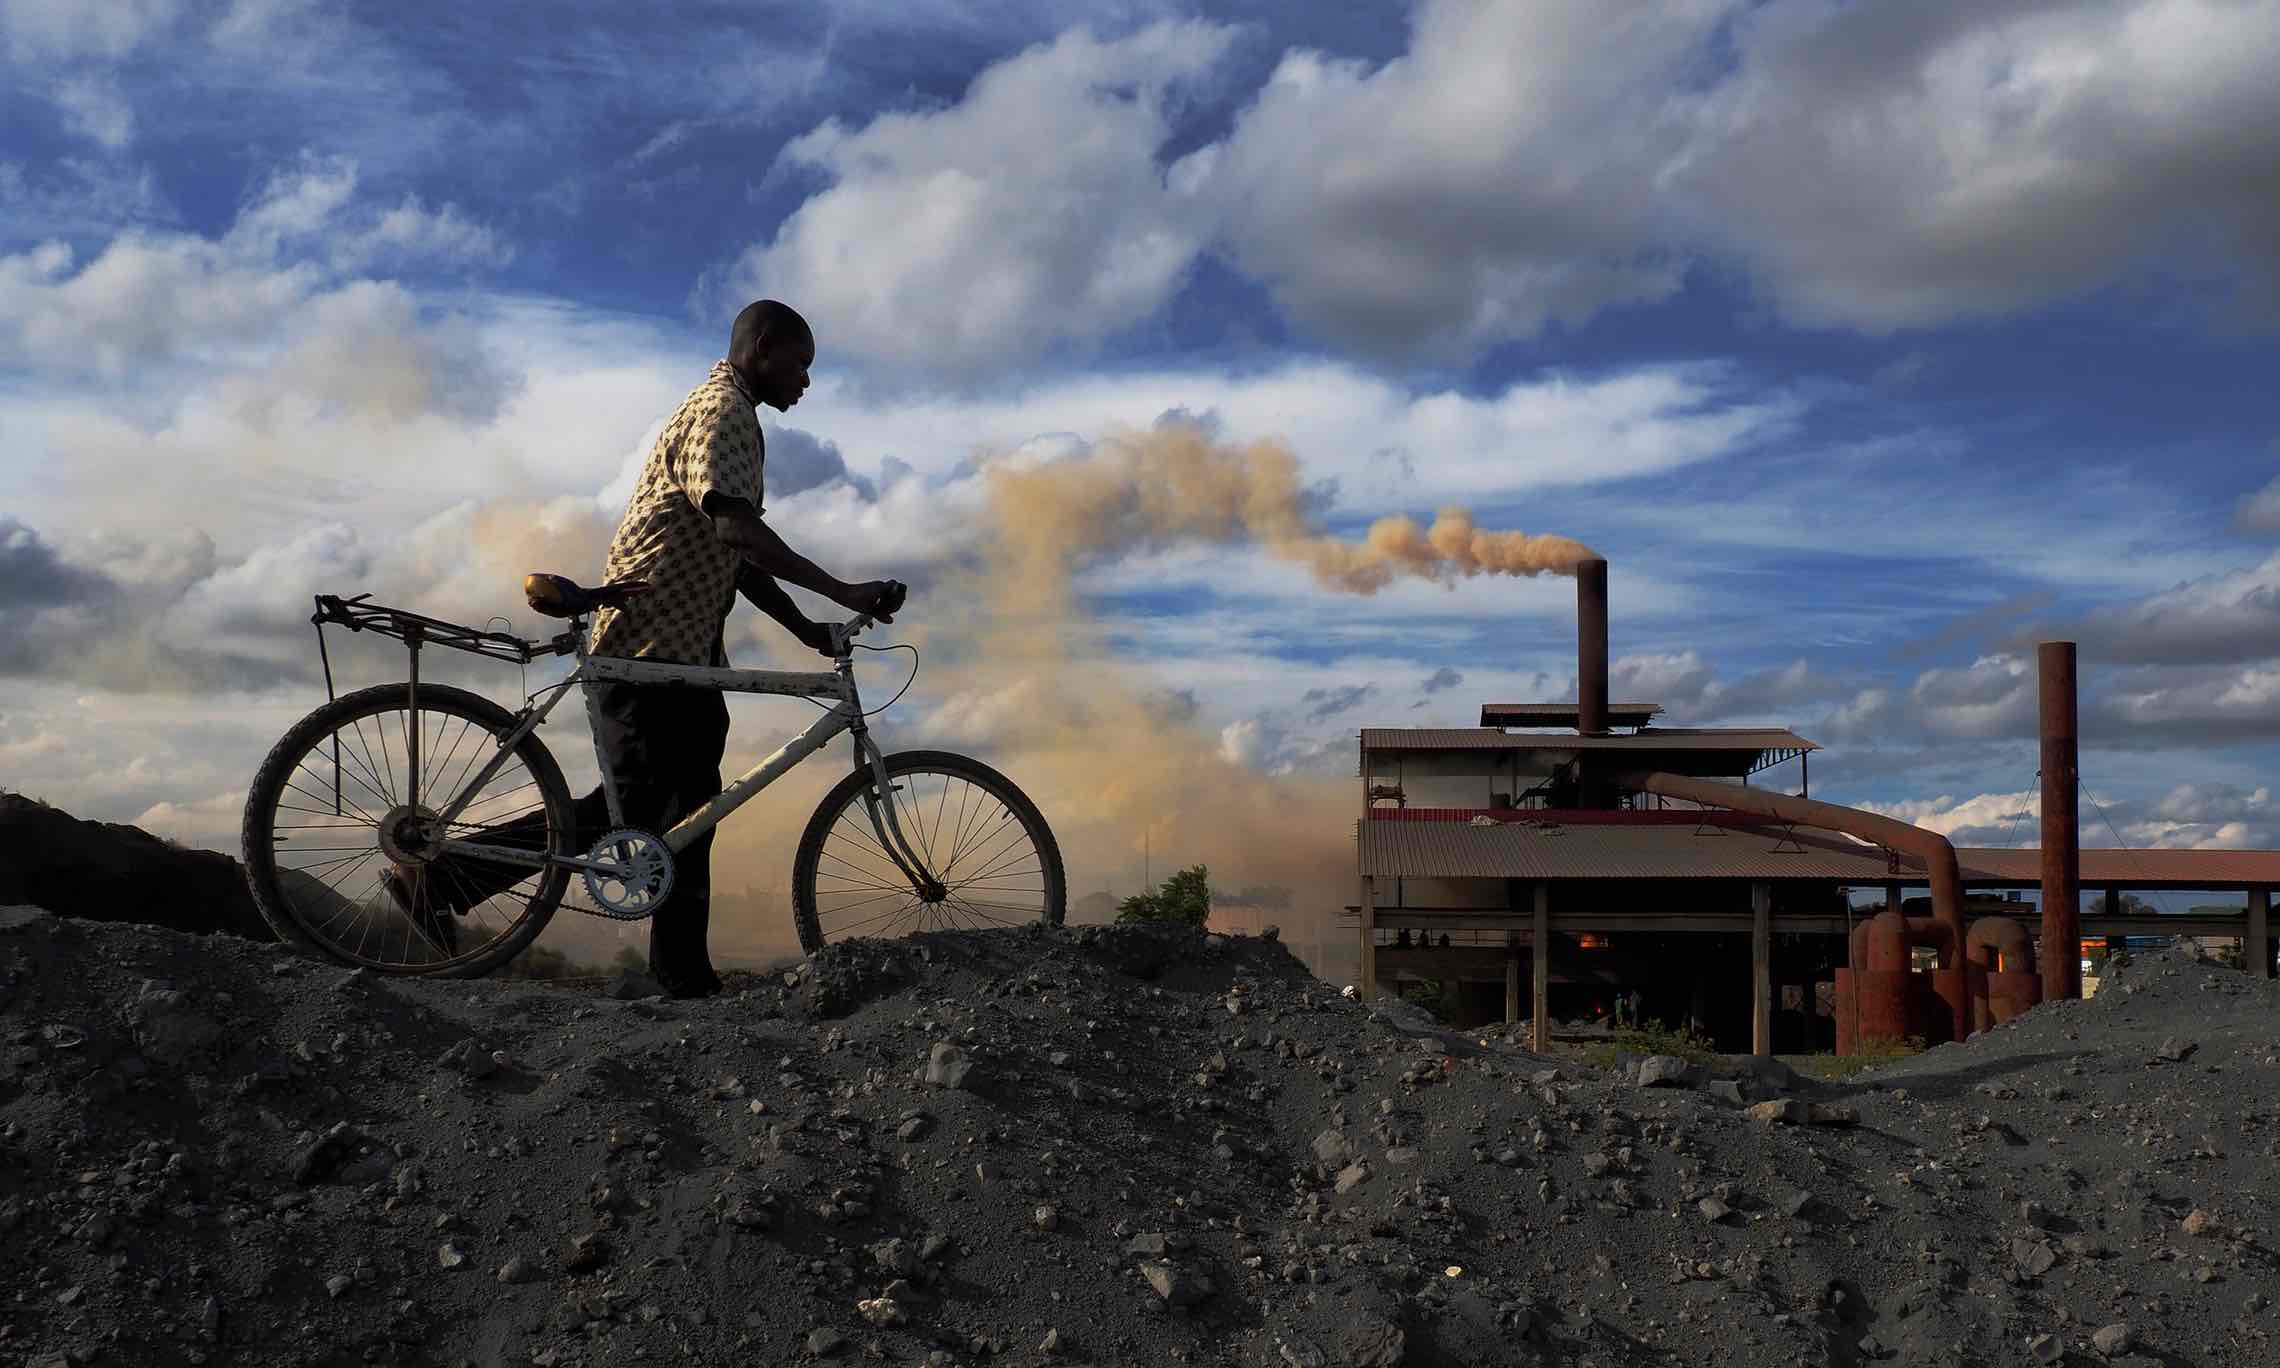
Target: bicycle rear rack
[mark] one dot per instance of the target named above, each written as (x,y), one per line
(415,630)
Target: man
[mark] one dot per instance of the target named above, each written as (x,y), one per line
(693,531)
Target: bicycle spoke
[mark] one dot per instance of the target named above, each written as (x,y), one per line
(984,916)
(366,777)
(911,905)
(365,771)
(1012,823)
(319,798)
(978,835)
(966,814)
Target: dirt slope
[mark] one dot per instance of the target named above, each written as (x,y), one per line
(1091,1145)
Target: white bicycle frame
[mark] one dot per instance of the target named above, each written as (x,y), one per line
(845,715)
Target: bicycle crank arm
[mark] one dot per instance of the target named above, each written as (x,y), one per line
(471,850)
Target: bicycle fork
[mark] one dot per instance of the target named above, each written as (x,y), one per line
(889,831)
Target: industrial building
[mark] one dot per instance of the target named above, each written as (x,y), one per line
(1562,853)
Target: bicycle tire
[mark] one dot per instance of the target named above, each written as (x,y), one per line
(846,796)
(283,908)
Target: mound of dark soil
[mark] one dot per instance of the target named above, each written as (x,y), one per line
(1006,1147)
(106,871)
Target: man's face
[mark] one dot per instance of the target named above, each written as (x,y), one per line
(782,374)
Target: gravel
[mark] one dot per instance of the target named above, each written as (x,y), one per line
(1087,1145)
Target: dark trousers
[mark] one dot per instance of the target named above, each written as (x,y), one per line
(664,745)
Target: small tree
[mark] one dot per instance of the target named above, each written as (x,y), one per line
(1184,898)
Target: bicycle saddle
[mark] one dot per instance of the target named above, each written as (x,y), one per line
(557,596)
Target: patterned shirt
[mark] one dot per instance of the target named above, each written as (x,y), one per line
(711,444)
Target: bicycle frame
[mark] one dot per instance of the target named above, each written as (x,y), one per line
(845,715)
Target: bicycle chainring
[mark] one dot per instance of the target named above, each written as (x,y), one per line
(639,876)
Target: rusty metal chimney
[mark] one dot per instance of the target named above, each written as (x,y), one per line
(1591,647)
(2061,825)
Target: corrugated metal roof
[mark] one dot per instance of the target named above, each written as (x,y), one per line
(1652,739)
(2127,868)
(1525,850)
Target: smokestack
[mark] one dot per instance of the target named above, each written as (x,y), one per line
(2061,825)
(1591,646)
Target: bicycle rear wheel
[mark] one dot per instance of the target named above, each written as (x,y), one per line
(979,836)
(321,834)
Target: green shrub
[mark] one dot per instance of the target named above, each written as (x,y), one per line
(1654,1038)
(1184,898)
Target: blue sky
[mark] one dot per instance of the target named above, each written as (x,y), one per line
(1869,344)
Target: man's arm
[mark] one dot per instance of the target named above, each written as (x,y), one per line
(739,527)
(769,597)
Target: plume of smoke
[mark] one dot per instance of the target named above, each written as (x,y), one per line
(1173,483)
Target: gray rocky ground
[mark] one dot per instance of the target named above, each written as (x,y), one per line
(1090,1145)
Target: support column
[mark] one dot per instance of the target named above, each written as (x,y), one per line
(1511,978)
(2256,954)
(1540,955)
(1369,938)
(1892,897)
(1761,968)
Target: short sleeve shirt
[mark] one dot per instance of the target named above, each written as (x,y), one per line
(710,445)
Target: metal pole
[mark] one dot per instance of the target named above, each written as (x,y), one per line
(1369,938)
(1540,952)
(1511,979)
(2061,825)
(1761,968)
(2256,952)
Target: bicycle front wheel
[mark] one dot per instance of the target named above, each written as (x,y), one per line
(983,842)
(331,810)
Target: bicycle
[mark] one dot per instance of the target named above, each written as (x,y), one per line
(919,839)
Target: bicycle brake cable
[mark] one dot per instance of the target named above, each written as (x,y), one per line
(873,712)
(898,646)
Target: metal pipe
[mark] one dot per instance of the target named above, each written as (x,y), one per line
(2061,824)
(1937,854)
(1591,647)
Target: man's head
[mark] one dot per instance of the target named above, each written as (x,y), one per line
(772,347)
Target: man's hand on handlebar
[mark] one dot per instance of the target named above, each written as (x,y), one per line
(817,636)
(881,599)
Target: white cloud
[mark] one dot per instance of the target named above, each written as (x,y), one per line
(1389,448)
(96,108)
(1889,166)
(1031,214)
(1869,167)
(412,231)
(2233,616)
(65,30)
(1987,818)
(150,298)
(1497,177)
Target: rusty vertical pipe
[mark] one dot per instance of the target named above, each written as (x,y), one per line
(2061,825)
(1591,647)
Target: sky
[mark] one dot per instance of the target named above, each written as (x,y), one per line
(1871,345)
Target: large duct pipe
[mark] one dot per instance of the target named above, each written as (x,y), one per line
(1591,647)
(1938,855)
(2061,825)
